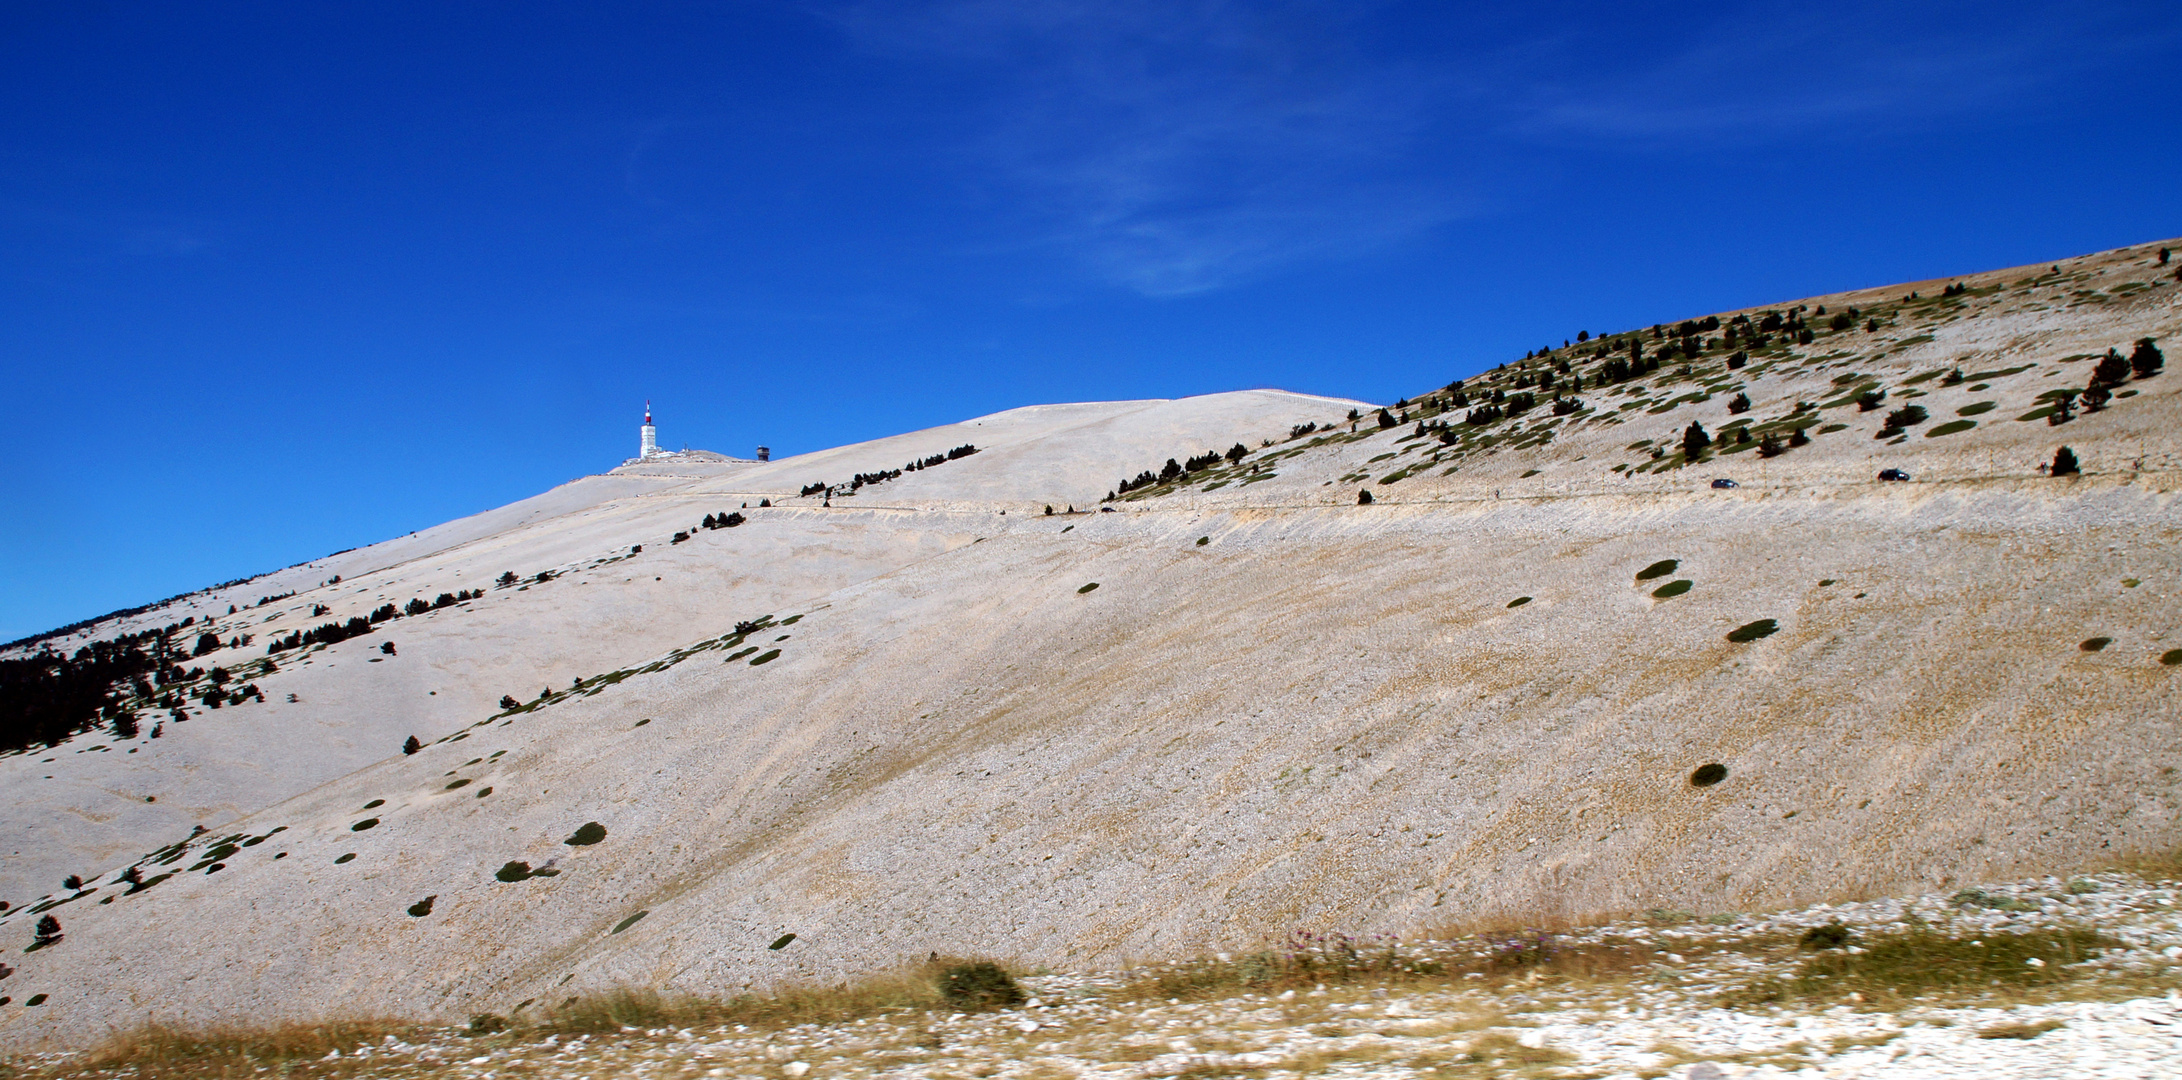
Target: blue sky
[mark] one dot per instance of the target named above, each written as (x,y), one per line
(280,279)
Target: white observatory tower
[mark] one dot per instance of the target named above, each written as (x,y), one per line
(649,447)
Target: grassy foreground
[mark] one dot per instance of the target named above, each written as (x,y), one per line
(1453,1005)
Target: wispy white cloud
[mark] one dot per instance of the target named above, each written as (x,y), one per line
(1176,148)
(1795,70)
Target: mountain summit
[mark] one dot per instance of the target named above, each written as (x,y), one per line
(1870,591)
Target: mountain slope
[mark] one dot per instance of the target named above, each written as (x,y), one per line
(1482,695)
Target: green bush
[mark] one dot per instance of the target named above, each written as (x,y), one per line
(1658,569)
(979,985)
(1753,631)
(591,833)
(1519,601)
(1833,935)
(1672,589)
(1088,588)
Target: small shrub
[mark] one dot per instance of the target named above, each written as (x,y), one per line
(2171,657)
(627,923)
(591,833)
(1363,497)
(1753,631)
(487,1024)
(1519,601)
(411,745)
(1708,775)
(1833,935)
(367,823)
(766,657)
(1658,569)
(1870,400)
(1088,588)
(422,907)
(514,871)
(1672,589)
(2095,644)
(978,986)
(1203,540)
(781,942)
(2065,463)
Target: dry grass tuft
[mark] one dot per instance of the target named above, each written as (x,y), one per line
(1923,960)
(157,1051)
(1306,961)
(2155,866)
(2019,1031)
(936,985)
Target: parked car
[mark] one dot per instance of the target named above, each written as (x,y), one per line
(1893,474)
(1724,483)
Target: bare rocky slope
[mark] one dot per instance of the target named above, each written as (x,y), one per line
(1240,704)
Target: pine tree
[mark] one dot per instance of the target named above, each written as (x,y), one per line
(1740,403)
(2113,370)
(2146,360)
(1694,441)
(2064,462)
(412,745)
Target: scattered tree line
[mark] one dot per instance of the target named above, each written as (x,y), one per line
(1174,470)
(863,480)
(48,696)
(326,634)
(2111,371)
(332,632)
(724,521)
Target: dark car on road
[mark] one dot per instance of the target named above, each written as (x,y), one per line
(1724,483)
(1893,475)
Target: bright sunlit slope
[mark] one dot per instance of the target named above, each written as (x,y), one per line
(327,711)
(1549,669)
